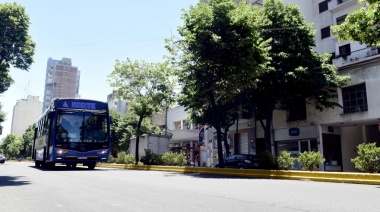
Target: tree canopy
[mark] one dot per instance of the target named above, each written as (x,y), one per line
(147,87)
(299,74)
(362,25)
(219,56)
(16,45)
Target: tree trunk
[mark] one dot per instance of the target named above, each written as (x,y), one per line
(220,149)
(267,127)
(226,142)
(138,139)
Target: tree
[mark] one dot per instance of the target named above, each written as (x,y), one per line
(123,128)
(219,57)
(362,25)
(300,76)
(147,87)
(27,141)
(11,145)
(2,114)
(16,46)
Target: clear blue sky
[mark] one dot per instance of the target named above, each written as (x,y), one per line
(93,33)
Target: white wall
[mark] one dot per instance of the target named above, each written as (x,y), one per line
(25,113)
(351,137)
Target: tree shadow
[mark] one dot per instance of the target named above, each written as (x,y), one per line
(12,181)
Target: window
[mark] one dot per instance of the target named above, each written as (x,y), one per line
(345,50)
(323,6)
(325,32)
(297,110)
(340,19)
(354,99)
(332,57)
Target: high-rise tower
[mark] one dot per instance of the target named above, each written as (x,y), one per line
(62,80)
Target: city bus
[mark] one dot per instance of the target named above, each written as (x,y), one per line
(72,131)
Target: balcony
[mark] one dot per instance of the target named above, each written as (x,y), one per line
(356,56)
(341,4)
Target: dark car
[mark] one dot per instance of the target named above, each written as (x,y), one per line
(241,161)
(2,158)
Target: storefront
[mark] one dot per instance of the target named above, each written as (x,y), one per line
(296,140)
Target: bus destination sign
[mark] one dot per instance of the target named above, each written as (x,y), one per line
(78,105)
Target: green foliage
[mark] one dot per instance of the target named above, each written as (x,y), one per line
(27,141)
(180,159)
(218,57)
(299,75)
(130,159)
(16,46)
(121,157)
(111,159)
(285,160)
(174,159)
(149,157)
(11,145)
(310,160)
(368,158)
(168,158)
(2,113)
(361,25)
(267,160)
(147,87)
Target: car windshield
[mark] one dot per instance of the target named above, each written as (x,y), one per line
(81,127)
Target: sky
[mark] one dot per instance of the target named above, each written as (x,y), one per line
(94,34)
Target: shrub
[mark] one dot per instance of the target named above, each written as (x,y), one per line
(111,159)
(130,159)
(310,160)
(266,160)
(169,158)
(285,160)
(368,158)
(121,157)
(180,159)
(148,158)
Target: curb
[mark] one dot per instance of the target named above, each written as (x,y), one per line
(336,177)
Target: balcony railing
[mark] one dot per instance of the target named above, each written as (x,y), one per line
(356,56)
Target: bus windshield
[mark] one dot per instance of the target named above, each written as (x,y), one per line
(81,127)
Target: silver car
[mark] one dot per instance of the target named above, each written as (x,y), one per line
(2,158)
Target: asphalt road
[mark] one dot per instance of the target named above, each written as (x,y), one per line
(26,188)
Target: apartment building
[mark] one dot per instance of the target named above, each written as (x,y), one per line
(62,80)
(25,113)
(335,132)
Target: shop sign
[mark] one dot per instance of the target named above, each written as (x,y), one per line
(294,131)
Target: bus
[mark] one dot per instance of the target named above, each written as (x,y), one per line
(72,131)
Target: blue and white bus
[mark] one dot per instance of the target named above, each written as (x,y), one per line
(72,131)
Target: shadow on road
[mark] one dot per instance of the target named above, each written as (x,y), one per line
(12,181)
(64,168)
(207,176)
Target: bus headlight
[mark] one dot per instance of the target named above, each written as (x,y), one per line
(61,151)
(102,152)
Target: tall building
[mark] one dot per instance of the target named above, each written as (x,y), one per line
(62,81)
(336,132)
(25,113)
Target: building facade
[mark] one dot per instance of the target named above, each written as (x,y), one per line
(25,113)
(337,132)
(62,80)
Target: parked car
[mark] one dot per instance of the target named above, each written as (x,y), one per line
(241,161)
(2,158)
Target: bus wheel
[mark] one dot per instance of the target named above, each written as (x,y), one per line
(91,166)
(37,163)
